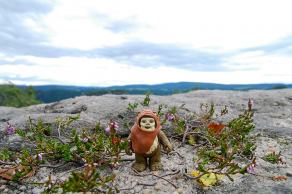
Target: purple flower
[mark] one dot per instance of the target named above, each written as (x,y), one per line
(85,139)
(9,129)
(107,129)
(170,117)
(250,169)
(40,157)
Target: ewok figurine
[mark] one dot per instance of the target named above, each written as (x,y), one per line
(146,139)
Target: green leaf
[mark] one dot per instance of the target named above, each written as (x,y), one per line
(67,153)
(5,154)
(191,140)
(21,133)
(201,168)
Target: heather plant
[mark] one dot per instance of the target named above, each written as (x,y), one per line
(146,100)
(90,179)
(100,148)
(223,148)
(132,106)
(226,142)
(5,154)
(273,157)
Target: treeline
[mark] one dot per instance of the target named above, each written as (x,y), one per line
(18,96)
(11,95)
(48,96)
(59,94)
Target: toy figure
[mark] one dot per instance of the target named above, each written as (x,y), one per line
(145,139)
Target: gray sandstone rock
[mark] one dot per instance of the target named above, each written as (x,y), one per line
(273,110)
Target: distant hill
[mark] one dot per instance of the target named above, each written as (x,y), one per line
(51,93)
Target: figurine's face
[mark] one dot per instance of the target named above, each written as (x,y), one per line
(147,124)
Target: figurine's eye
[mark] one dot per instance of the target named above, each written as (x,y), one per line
(143,121)
(151,121)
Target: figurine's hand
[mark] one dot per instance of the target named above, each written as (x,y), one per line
(128,149)
(168,148)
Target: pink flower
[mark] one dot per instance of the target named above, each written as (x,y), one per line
(112,127)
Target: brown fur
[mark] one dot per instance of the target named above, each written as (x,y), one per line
(141,159)
(137,144)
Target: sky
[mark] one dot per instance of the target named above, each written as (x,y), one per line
(120,42)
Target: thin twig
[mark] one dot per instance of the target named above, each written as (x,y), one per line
(98,190)
(74,169)
(191,177)
(58,138)
(152,174)
(137,173)
(166,180)
(185,135)
(6,163)
(53,166)
(126,159)
(147,184)
(59,133)
(175,152)
(171,173)
(130,188)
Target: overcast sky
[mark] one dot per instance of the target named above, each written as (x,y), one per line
(119,42)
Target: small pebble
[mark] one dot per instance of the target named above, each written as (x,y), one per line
(2,187)
(137,189)
(147,191)
(158,186)
(36,190)
(116,172)
(289,174)
(178,191)
(6,190)
(22,188)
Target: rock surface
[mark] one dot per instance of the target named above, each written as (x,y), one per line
(273,119)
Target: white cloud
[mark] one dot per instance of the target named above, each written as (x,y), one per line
(273,63)
(106,72)
(223,26)
(208,24)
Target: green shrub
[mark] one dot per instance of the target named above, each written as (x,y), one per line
(11,95)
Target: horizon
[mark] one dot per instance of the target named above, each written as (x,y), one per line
(102,44)
(89,86)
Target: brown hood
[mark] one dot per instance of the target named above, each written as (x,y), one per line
(142,140)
